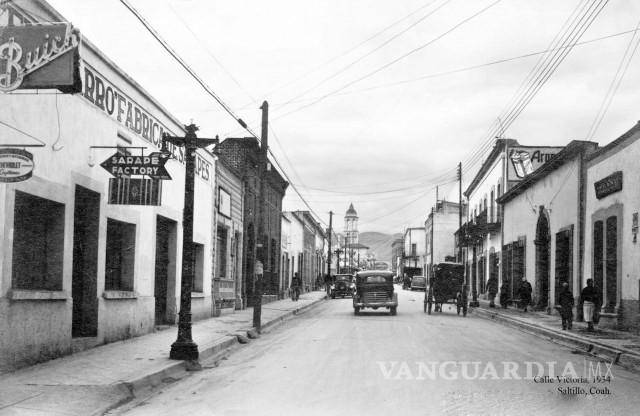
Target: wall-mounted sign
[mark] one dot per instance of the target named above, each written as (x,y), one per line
(126,112)
(609,185)
(224,202)
(523,160)
(151,165)
(40,56)
(16,165)
(133,191)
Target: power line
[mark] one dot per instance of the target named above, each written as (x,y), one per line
(371,52)
(615,84)
(394,61)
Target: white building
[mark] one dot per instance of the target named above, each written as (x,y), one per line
(75,269)
(415,241)
(440,227)
(611,256)
(543,219)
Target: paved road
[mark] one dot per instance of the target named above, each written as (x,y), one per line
(330,362)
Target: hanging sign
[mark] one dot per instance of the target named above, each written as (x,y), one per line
(40,56)
(16,165)
(523,160)
(152,165)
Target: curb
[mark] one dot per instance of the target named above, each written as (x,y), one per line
(621,356)
(178,369)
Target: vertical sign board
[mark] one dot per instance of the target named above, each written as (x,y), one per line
(40,56)
(133,191)
(16,165)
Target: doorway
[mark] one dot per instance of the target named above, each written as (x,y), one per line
(84,286)
(165,271)
(542,243)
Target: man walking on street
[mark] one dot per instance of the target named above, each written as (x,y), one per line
(525,293)
(565,299)
(589,299)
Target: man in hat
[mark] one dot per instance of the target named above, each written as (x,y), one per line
(565,299)
(524,292)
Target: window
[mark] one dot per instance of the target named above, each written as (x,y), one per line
(222,252)
(198,263)
(38,243)
(413,249)
(121,250)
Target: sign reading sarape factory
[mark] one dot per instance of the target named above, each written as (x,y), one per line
(16,165)
(609,185)
(152,165)
(40,56)
(121,108)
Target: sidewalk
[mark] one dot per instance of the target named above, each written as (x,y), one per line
(619,347)
(93,381)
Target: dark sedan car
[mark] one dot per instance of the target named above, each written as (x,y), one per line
(342,286)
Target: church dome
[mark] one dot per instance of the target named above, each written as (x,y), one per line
(351,212)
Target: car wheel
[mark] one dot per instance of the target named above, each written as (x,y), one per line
(356,310)
(429,306)
(394,310)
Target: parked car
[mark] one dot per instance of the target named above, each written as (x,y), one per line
(419,283)
(374,289)
(343,286)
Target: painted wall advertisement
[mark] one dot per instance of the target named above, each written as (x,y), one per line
(523,160)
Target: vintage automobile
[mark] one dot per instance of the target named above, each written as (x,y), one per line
(374,289)
(418,283)
(446,285)
(343,286)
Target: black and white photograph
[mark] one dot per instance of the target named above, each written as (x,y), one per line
(319,207)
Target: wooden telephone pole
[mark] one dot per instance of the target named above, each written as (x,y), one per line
(328,279)
(261,255)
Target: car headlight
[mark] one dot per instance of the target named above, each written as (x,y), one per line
(333,287)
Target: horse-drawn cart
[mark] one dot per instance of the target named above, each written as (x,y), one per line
(446,286)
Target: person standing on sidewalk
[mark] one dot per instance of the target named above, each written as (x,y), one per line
(492,288)
(589,299)
(504,295)
(565,299)
(524,292)
(295,287)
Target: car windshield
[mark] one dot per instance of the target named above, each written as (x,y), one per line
(419,279)
(346,277)
(376,279)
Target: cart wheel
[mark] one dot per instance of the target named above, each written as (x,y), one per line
(394,310)
(458,307)
(425,306)
(464,310)
(429,305)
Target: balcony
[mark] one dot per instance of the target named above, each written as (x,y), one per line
(474,230)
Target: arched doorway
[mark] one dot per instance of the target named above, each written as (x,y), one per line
(542,242)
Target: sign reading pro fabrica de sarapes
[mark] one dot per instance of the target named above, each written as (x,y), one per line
(119,107)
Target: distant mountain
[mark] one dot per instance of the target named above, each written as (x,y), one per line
(379,243)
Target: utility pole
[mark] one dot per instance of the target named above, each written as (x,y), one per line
(460,231)
(184,348)
(327,283)
(261,248)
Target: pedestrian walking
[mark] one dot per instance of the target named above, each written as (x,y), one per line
(492,289)
(504,295)
(524,292)
(295,287)
(589,298)
(565,299)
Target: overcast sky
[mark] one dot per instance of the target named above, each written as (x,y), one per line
(359,141)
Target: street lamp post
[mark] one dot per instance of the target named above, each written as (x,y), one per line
(184,348)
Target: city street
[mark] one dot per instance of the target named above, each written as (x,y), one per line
(330,362)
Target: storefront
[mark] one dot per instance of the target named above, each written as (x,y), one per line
(542,227)
(227,281)
(89,258)
(613,203)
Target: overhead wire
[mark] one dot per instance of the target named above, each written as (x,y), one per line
(615,83)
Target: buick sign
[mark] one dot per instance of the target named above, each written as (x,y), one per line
(16,165)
